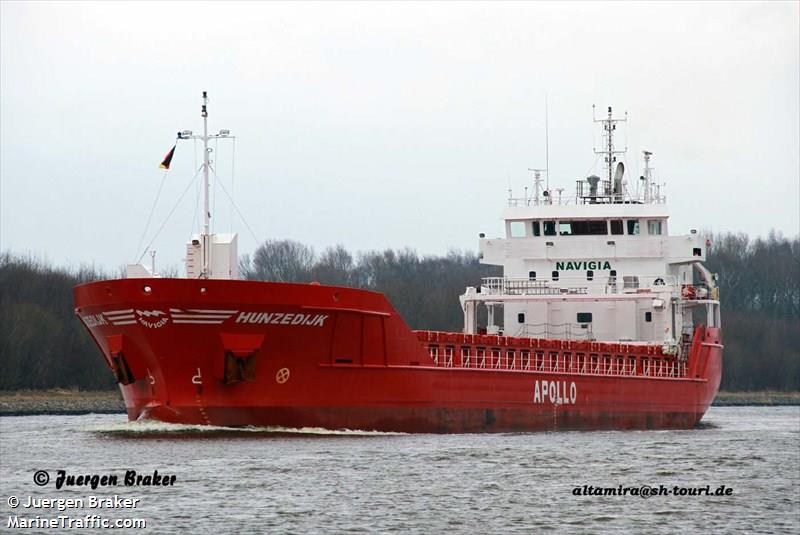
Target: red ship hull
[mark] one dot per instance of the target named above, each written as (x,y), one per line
(243,353)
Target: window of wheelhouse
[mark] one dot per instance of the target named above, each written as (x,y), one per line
(633,227)
(549,228)
(583,227)
(616,227)
(537,228)
(654,227)
(517,229)
(532,275)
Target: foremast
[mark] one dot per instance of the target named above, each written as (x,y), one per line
(205,238)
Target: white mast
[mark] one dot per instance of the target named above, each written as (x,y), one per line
(648,198)
(537,184)
(609,125)
(206,214)
(546,144)
(205,237)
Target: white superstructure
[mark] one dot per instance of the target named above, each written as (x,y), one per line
(596,265)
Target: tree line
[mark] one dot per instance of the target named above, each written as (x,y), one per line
(759,283)
(43,345)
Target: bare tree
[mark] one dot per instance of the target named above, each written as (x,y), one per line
(335,267)
(282,261)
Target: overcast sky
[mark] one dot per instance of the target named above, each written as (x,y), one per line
(378,125)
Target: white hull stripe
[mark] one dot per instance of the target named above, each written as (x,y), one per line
(118,312)
(201,316)
(201,311)
(207,322)
(208,314)
(121,319)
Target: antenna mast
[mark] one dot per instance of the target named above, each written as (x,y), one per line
(537,184)
(647,177)
(546,144)
(609,125)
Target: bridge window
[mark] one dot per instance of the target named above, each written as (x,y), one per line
(537,228)
(583,227)
(549,228)
(630,282)
(633,227)
(521,317)
(532,275)
(654,227)
(555,275)
(517,229)
(616,227)
(584,317)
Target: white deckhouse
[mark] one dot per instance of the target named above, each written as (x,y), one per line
(599,265)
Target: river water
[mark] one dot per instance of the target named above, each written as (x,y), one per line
(268,481)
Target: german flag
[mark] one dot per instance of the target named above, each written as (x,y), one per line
(168,158)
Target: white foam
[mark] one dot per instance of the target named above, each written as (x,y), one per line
(156,427)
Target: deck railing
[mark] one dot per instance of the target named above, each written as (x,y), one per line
(579,285)
(561,362)
(561,331)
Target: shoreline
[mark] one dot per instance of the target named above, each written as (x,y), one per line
(60,402)
(74,402)
(764,398)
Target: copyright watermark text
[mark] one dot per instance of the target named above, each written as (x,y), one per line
(647,491)
(130,479)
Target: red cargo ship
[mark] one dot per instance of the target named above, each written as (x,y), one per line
(596,344)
